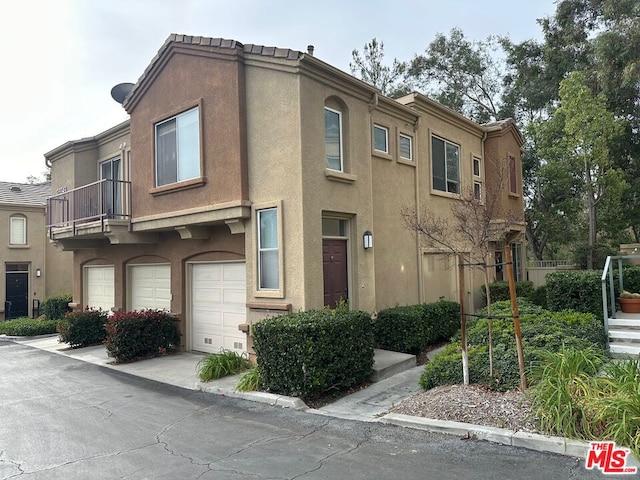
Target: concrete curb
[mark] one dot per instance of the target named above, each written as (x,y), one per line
(13,338)
(531,441)
(260,397)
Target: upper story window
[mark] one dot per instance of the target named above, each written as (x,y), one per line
(333,139)
(268,250)
(406,147)
(477,178)
(445,159)
(380,139)
(178,148)
(513,177)
(18,230)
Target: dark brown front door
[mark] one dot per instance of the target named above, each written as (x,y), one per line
(334,263)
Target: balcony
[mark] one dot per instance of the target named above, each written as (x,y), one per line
(84,217)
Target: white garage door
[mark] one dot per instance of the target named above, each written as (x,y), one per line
(99,287)
(150,287)
(218,306)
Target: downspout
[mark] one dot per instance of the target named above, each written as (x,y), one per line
(418,248)
(484,179)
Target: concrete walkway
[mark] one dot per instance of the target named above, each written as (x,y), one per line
(370,404)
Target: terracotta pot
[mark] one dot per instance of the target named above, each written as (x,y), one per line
(629,305)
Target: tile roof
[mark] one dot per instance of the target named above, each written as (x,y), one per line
(249,48)
(24,193)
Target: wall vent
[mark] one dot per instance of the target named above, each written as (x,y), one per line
(208,341)
(237,345)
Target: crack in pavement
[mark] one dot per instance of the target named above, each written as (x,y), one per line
(17,465)
(366,438)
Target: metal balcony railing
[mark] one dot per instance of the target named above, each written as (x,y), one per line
(95,202)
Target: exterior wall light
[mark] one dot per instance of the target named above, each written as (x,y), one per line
(367,240)
(38,272)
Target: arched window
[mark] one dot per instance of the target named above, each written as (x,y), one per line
(18,230)
(336,138)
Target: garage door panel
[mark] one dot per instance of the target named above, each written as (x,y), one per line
(218,306)
(150,287)
(100,292)
(235,296)
(235,273)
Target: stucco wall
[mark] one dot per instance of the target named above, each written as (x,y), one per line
(32,253)
(221,246)
(214,82)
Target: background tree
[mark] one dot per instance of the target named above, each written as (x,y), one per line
(370,68)
(579,134)
(461,74)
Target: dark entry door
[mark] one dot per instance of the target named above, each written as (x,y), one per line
(334,262)
(17,293)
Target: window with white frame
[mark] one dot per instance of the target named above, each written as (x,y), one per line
(18,230)
(333,139)
(178,148)
(445,159)
(380,139)
(268,250)
(477,178)
(406,147)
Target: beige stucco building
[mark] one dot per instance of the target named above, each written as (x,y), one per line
(251,180)
(32,268)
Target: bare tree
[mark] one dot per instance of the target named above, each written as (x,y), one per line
(474,227)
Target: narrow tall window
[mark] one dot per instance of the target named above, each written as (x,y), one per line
(333,139)
(446,165)
(477,178)
(380,139)
(178,148)
(516,258)
(268,250)
(406,147)
(18,230)
(513,178)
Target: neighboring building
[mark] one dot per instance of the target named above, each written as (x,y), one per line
(247,181)
(33,268)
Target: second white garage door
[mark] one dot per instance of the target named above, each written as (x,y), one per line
(218,306)
(150,287)
(99,287)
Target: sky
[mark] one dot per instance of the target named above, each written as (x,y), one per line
(60,58)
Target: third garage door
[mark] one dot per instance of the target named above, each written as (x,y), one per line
(218,306)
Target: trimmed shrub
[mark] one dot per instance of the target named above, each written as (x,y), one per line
(81,329)
(542,331)
(307,354)
(410,328)
(539,296)
(500,290)
(56,307)
(581,290)
(135,335)
(27,327)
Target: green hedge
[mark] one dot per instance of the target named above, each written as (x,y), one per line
(307,354)
(539,296)
(542,330)
(27,327)
(500,290)
(80,329)
(135,335)
(56,307)
(581,290)
(410,328)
